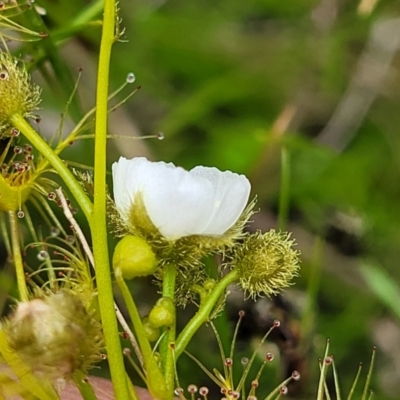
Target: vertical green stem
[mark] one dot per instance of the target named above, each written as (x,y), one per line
(17,258)
(284,197)
(167,356)
(98,221)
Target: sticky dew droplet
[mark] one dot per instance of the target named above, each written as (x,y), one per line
(283,390)
(130,78)
(54,231)
(3,75)
(70,239)
(203,391)
(42,255)
(328,360)
(160,136)
(228,362)
(296,375)
(192,389)
(15,132)
(269,356)
(51,196)
(178,391)
(20,214)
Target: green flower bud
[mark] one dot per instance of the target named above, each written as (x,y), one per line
(163,313)
(55,335)
(15,190)
(152,332)
(17,94)
(209,284)
(134,257)
(266,263)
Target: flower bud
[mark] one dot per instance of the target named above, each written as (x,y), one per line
(14,191)
(55,335)
(134,257)
(266,262)
(163,313)
(152,332)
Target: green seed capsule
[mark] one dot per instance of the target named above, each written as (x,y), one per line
(163,313)
(152,332)
(134,257)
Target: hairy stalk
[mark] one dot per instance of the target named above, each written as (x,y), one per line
(167,355)
(204,311)
(98,223)
(17,258)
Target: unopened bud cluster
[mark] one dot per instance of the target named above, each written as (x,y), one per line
(161,315)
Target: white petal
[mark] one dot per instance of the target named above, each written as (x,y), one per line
(231,194)
(176,202)
(124,183)
(204,201)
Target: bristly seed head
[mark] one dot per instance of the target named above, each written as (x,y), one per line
(17,94)
(55,335)
(266,262)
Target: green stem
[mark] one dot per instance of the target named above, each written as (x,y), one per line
(167,355)
(322,376)
(61,80)
(85,388)
(38,387)
(284,196)
(98,223)
(17,258)
(80,21)
(204,311)
(155,380)
(47,152)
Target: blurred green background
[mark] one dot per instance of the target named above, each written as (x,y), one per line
(303,97)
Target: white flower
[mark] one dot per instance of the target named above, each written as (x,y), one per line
(203,201)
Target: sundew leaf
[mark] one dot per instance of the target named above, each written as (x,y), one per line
(24,374)
(383,286)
